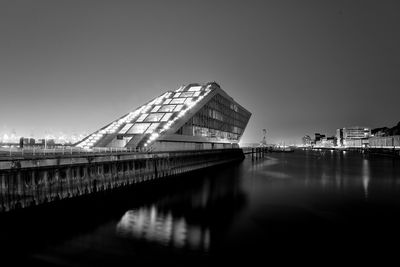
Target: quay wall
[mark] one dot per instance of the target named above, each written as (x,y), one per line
(31,182)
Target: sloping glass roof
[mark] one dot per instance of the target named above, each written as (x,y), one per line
(153,118)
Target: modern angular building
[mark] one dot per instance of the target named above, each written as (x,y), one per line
(193,117)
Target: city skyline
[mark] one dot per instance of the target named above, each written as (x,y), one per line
(300,68)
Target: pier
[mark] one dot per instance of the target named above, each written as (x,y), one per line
(27,181)
(256,152)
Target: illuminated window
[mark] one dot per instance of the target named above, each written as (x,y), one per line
(154,117)
(188,100)
(195,88)
(146,109)
(159,100)
(178,108)
(139,128)
(167,101)
(126,128)
(187,94)
(177,95)
(152,127)
(142,117)
(156,108)
(167,108)
(178,100)
(166,116)
(201,131)
(196,94)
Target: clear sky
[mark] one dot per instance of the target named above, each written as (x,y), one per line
(300,67)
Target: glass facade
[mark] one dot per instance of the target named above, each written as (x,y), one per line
(218,119)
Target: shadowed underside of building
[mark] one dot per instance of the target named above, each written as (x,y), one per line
(193,117)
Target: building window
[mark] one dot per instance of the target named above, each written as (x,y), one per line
(142,117)
(152,127)
(167,108)
(194,88)
(178,101)
(126,128)
(178,108)
(139,128)
(156,108)
(187,94)
(166,116)
(154,117)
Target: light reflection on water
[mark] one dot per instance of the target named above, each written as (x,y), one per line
(153,226)
(365,177)
(335,170)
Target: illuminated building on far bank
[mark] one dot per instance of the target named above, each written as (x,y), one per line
(306,140)
(353,136)
(192,117)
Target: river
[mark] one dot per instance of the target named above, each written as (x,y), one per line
(303,207)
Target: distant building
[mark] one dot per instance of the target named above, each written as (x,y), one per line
(318,137)
(353,136)
(385,141)
(306,140)
(385,137)
(26,142)
(339,137)
(330,141)
(326,142)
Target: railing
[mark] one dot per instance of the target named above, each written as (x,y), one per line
(42,152)
(33,153)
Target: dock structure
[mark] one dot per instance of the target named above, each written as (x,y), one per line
(30,182)
(193,127)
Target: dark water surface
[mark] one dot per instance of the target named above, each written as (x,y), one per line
(301,207)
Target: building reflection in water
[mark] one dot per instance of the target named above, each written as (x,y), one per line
(163,228)
(190,215)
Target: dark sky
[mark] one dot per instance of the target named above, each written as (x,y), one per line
(299,66)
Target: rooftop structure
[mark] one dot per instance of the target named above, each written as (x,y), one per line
(192,117)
